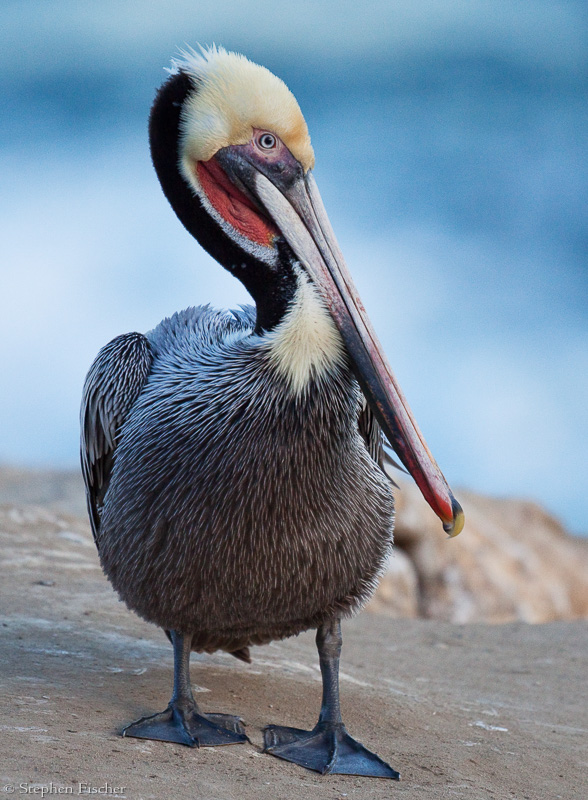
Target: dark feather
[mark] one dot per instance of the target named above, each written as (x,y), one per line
(371,433)
(243,654)
(392,461)
(237,510)
(112,385)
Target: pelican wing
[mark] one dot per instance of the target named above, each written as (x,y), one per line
(112,386)
(371,433)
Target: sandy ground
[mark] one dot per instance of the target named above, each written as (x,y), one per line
(469,712)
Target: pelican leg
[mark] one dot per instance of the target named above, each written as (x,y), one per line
(327,748)
(182,721)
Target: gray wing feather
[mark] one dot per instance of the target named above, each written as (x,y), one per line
(112,385)
(371,432)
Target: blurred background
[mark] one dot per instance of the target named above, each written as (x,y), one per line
(451,155)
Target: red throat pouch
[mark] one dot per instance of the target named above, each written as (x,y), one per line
(233,206)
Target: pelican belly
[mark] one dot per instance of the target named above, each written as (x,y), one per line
(240,510)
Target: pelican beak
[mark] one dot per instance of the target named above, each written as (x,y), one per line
(293,202)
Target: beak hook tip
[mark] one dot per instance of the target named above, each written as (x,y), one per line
(455,526)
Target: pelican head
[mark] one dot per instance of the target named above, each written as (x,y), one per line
(233,155)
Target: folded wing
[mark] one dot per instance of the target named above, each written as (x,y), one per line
(112,386)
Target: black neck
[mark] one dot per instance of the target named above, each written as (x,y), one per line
(272,287)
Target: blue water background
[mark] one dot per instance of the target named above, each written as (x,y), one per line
(451,156)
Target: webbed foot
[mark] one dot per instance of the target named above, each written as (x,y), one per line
(185,725)
(325,749)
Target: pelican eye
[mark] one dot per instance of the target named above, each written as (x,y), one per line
(267,141)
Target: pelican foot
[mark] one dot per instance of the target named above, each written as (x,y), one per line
(186,726)
(326,749)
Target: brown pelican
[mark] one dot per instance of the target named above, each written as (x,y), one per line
(233,460)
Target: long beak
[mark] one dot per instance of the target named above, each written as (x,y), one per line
(297,210)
